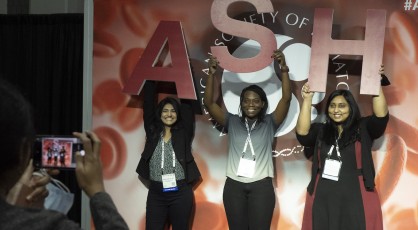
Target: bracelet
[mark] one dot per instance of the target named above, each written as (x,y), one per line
(284,68)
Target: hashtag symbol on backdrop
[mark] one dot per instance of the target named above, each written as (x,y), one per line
(408,4)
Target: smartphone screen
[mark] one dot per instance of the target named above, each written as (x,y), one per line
(56,151)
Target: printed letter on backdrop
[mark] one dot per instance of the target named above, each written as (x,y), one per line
(231,26)
(371,48)
(167,33)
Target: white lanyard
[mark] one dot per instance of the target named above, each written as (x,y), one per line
(332,167)
(162,155)
(332,148)
(248,140)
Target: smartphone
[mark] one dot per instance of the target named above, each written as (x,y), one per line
(56,151)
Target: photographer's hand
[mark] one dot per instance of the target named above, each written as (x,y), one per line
(89,167)
(38,182)
(30,190)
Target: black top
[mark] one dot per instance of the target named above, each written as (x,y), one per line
(371,127)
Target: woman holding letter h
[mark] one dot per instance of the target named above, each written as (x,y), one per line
(248,195)
(341,193)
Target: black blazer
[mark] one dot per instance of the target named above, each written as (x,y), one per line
(181,137)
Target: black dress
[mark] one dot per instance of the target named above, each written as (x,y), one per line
(338,204)
(352,202)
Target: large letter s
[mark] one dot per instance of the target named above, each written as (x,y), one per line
(259,33)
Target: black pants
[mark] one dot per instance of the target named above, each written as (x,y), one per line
(249,205)
(174,207)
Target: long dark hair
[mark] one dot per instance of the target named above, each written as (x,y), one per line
(260,92)
(16,126)
(158,126)
(350,125)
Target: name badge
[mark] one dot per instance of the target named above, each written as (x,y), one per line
(169,183)
(331,169)
(246,168)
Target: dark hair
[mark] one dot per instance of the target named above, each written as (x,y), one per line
(158,127)
(260,92)
(350,125)
(16,125)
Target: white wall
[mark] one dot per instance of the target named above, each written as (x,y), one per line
(56,6)
(3,6)
(49,6)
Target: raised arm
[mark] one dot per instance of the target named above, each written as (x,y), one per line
(187,115)
(279,114)
(304,120)
(380,107)
(214,109)
(150,102)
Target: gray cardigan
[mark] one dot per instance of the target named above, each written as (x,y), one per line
(103,210)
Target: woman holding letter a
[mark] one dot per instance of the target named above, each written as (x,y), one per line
(248,194)
(341,193)
(167,164)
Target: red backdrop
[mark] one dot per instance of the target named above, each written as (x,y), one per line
(122,30)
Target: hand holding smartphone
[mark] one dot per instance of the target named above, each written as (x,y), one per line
(56,151)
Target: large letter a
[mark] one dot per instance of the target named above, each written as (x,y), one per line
(171,33)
